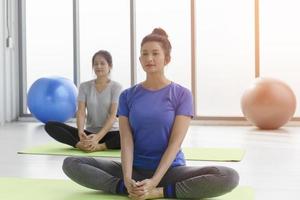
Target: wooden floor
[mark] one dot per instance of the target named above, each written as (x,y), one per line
(271,164)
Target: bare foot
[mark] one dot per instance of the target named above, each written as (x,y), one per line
(155,193)
(101,147)
(80,145)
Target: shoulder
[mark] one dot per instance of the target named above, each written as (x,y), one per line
(129,92)
(179,90)
(86,84)
(116,85)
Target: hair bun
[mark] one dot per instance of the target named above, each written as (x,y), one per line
(160,31)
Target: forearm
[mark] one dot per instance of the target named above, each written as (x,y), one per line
(107,126)
(109,121)
(127,156)
(80,120)
(126,152)
(177,136)
(166,161)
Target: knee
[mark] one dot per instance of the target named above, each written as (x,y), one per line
(69,164)
(232,178)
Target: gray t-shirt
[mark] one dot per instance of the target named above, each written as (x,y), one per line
(98,103)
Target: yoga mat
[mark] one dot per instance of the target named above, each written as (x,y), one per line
(45,189)
(205,153)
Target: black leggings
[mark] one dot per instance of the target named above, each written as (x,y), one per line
(69,135)
(189,182)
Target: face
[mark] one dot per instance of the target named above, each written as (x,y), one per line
(101,67)
(152,57)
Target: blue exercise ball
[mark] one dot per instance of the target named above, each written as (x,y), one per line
(52,99)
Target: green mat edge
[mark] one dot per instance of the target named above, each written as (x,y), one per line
(249,191)
(57,146)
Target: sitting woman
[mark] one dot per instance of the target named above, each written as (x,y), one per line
(154,117)
(99,97)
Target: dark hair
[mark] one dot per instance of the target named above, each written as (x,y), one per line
(105,54)
(159,35)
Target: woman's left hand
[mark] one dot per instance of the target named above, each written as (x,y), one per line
(144,190)
(92,141)
(146,185)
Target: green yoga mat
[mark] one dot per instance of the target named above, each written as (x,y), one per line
(208,154)
(43,189)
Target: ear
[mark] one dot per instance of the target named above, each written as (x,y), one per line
(167,60)
(140,59)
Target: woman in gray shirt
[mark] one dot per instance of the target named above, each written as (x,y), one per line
(97,107)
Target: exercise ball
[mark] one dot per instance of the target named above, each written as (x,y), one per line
(268,103)
(52,99)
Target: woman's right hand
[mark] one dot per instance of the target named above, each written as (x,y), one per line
(82,143)
(133,190)
(129,184)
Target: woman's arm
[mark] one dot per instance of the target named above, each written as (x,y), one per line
(111,118)
(126,147)
(109,121)
(80,118)
(127,154)
(93,139)
(179,131)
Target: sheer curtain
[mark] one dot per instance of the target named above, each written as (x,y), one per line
(9,73)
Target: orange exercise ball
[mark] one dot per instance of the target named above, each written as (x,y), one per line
(268,103)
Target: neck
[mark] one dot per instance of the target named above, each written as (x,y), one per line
(155,81)
(101,80)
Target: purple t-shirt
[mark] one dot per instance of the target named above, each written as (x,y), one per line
(151,117)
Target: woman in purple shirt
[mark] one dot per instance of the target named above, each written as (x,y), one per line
(154,117)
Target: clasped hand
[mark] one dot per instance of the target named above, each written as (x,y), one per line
(140,190)
(88,142)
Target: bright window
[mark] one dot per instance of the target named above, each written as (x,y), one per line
(280,42)
(49,39)
(225,55)
(151,14)
(103,25)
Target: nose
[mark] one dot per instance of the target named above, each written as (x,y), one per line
(149,58)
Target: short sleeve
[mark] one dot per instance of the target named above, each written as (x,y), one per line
(123,109)
(81,93)
(185,104)
(116,93)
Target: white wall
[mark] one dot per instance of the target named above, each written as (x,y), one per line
(9,70)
